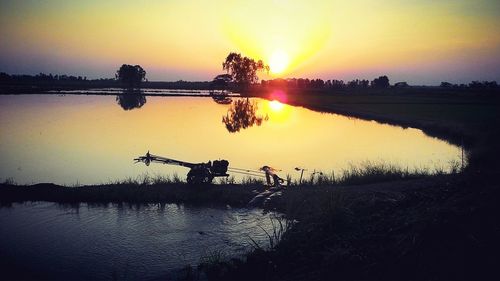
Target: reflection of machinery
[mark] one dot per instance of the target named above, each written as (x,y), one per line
(199,173)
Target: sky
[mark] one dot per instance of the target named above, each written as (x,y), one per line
(422,42)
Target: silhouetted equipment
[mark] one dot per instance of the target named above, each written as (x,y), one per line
(301,173)
(206,172)
(198,173)
(271,173)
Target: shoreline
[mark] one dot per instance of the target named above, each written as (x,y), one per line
(222,195)
(177,193)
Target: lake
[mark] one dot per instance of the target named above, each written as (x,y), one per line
(47,241)
(91,139)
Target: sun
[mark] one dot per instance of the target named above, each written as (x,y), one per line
(276,105)
(278,61)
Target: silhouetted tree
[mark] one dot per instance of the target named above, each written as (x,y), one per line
(483,85)
(353,84)
(221,82)
(243,70)
(338,84)
(132,75)
(4,76)
(381,82)
(241,115)
(491,84)
(317,83)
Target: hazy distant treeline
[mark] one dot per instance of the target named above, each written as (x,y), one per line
(292,83)
(301,83)
(83,81)
(472,85)
(46,77)
(380,82)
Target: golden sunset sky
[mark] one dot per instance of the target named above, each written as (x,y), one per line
(422,42)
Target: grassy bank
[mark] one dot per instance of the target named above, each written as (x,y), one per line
(434,228)
(131,193)
(159,189)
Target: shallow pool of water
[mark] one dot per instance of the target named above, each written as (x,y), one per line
(50,241)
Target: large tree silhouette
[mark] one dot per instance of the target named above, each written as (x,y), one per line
(221,81)
(131,75)
(243,70)
(381,82)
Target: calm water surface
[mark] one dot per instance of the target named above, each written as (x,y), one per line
(130,243)
(93,139)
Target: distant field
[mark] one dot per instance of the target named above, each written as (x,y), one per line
(467,113)
(462,117)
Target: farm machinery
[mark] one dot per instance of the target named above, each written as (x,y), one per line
(198,173)
(203,173)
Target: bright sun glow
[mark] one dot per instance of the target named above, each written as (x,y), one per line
(276,105)
(278,61)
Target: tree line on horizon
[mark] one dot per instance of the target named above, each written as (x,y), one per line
(241,74)
(471,85)
(305,83)
(47,77)
(381,82)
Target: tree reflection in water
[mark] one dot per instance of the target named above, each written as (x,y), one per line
(131,99)
(241,115)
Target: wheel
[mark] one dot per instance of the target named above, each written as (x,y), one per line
(191,179)
(199,176)
(207,179)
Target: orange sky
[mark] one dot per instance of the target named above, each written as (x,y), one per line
(422,42)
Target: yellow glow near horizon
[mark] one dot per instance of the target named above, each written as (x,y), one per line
(285,40)
(315,39)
